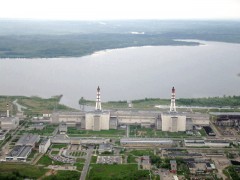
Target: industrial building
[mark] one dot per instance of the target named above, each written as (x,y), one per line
(23,148)
(228,119)
(3,134)
(208,143)
(98,119)
(8,122)
(44,145)
(141,142)
(19,153)
(28,140)
(173,121)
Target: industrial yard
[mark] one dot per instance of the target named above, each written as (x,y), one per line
(121,144)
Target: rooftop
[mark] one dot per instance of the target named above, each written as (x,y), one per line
(28,139)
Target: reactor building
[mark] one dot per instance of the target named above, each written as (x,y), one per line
(97,120)
(173,121)
(8,122)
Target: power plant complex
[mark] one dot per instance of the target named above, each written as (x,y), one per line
(99,119)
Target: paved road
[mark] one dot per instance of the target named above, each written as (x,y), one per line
(19,106)
(86,165)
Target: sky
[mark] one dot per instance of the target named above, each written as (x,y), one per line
(120,9)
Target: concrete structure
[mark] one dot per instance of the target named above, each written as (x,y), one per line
(141,142)
(173,122)
(97,121)
(44,145)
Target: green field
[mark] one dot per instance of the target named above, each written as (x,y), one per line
(20,171)
(54,152)
(58,146)
(47,130)
(46,161)
(79,165)
(64,175)
(94,159)
(141,152)
(35,105)
(126,171)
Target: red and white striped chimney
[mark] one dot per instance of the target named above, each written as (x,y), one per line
(173,104)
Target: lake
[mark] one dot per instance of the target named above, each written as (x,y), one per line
(211,69)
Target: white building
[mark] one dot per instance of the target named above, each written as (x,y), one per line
(173,122)
(97,121)
(9,123)
(45,144)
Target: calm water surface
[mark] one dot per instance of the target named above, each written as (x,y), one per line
(131,73)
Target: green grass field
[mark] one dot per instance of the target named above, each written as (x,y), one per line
(141,152)
(46,161)
(20,171)
(54,152)
(79,165)
(59,146)
(64,175)
(123,171)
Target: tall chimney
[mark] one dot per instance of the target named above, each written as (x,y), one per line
(98,101)
(7,110)
(173,104)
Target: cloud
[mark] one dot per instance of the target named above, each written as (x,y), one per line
(120,9)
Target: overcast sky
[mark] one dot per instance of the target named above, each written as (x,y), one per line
(120,9)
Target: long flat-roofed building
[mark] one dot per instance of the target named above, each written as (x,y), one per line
(28,140)
(146,142)
(19,153)
(23,147)
(210,143)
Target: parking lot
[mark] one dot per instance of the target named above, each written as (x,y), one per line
(109,160)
